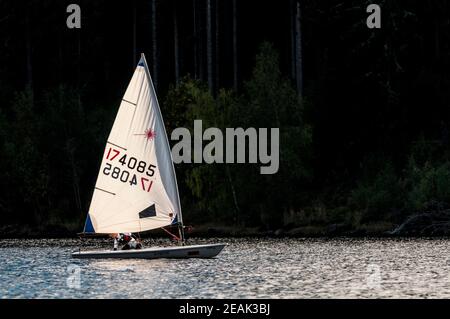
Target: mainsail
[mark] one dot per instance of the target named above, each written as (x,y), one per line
(136,187)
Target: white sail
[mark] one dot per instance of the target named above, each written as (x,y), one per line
(136,187)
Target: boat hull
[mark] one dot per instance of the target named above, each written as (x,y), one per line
(193,251)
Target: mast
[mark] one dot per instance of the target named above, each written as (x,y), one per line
(179,216)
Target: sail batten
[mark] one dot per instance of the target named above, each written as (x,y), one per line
(136,188)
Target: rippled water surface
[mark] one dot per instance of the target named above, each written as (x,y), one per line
(269,268)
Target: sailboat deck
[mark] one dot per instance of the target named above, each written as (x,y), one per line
(192,251)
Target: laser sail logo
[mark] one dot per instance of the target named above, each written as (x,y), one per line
(149,134)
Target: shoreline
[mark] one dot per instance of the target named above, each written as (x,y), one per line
(207,231)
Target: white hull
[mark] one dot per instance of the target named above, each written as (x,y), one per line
(194,251)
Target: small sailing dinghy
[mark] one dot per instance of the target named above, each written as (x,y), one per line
(136,188)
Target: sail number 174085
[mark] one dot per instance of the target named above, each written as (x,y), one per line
(129,170)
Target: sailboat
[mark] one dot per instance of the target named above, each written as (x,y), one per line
(136,188)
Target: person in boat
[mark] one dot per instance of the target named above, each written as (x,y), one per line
(128,240)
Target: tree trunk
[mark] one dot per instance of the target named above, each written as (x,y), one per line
(292,15)
(298,49)
(235,69)
(154,46)
(209,46)
(201,41)
(79,68)
(175,45)
(76,178)
(28,48)
(216,53)
(194,4)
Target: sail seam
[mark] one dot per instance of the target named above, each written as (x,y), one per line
(135,104)
(105,191)
(116,145)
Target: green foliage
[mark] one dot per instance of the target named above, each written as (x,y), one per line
(425,180)
(379,92)
(376,196)
(27,167)
(239,194)
(205,198)
(51,145)
(426,184)
(48,157)
(270,101)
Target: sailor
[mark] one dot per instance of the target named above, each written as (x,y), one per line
(128,241)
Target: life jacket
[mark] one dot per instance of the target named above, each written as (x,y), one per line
(125,238)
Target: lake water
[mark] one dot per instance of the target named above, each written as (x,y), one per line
(247,268)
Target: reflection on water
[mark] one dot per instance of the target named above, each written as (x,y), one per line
(269,268)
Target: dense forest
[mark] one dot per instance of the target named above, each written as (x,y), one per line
(363,113)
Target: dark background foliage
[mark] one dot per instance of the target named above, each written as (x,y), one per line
(364,138)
